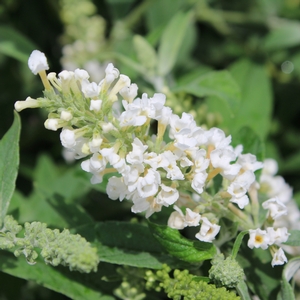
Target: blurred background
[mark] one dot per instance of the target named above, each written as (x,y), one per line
(257,41)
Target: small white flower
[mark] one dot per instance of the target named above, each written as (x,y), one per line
(148,185)
(164,115)
(200,161)
(116,188)
(241,201)
(167,195)
(168,162)
(131,175)
(279,258)
(152,159)
(66,76)
(275,186)
(216,137)
(81,75)
(97,163)
(221,158)
(131,118)
(129,92)
(67,138)
(177,124)
(111,73)
(136,156)
(270,167)
(199,181)
(90,89)
(37,62)
(278,236)
(208,231)
(124,81)
(95,105)
(258,238)
(239,187)
(176,219)
(276,208)
(248,162)
(191,218)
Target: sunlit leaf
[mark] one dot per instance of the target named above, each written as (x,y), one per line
(284,36)
(256,98)
(219,84)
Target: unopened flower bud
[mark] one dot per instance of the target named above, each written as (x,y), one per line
(54,124)
(66,115)
(28,103)
(37,62)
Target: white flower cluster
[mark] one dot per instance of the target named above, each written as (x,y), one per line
(148,171)
(282,213)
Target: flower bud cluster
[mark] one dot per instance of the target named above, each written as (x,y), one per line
(148,171)
(56,247)
(183,285)
(225,272)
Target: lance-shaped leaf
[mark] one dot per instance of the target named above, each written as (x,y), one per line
(181,247)
(14,44)
(171,42)
(9,162)
(125,243)
(75,285)
(289,270)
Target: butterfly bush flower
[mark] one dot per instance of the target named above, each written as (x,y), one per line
(258,239)
(279,258)
(110,128)
(208,231)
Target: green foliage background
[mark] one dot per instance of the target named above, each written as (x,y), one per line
(250,40)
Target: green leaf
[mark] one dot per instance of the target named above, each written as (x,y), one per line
(262,279)
(15,45)
(161,12)
(129,244)
(286,292)
(9,162)
(219,84)
(237,243)
(242,290)
(54,196)
(283,37)
(291,268)
(180,247)
(251,142)
(289,271)
(294,238)
(256,98)
(72,284)
(171,41)
(146,53)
